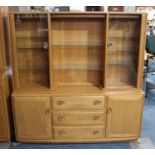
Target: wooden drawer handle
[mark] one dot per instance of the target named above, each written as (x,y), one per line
(60,102)
(61,133)
(96,117)
(60,118)
(96,102)
(95,132)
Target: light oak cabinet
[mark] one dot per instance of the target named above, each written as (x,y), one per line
(77,76)
(32,118)
(124,116)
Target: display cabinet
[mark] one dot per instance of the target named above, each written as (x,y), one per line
(77,76)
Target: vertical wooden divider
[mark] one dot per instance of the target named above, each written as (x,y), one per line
(141,50)
(52,86)
(14,52)
(106,51)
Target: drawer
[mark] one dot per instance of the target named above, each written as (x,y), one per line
(79,132)
(78,102)
(78,118)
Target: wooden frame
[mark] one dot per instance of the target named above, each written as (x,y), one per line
(78,16)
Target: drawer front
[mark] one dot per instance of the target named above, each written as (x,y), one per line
(78,118)
(80,132)
(78,102)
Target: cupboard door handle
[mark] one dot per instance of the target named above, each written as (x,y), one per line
(45,45)
(95,132)
(96,102)
(61,133)
(60,118)
(109,110)
(96,117)
(47,111)
(60,102)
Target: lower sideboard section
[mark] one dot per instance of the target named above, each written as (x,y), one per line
(117,119)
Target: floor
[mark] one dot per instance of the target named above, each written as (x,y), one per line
(147,140)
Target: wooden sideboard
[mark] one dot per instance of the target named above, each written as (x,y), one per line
(77,76)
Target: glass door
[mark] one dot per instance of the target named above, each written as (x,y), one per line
(31,32)
(123,50)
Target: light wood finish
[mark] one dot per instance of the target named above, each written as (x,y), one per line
(142,50)
(3,127)
(29,36)
(32,118)
(4,109)
(77,59)
(80,132)
(93,63)
(78,103)
(5,94)
(78,118)
(124,115)
(123,46)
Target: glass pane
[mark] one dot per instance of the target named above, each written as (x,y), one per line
(32,50)
(123,50)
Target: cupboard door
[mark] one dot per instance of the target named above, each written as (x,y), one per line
(124,116)
(32,118)
(3,126)
(31,53)
(123,50)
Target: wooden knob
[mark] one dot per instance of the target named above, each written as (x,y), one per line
(96,102)
(95,132)
(109,110)
(47,111)
(60,102)
(96,117)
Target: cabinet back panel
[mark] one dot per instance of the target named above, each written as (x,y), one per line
(77,50)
